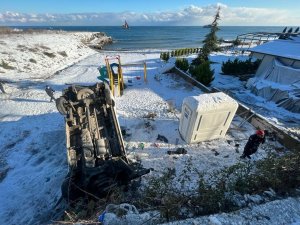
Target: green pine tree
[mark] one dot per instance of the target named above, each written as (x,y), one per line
(202,73)
(210,41)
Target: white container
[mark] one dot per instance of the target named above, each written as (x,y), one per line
(206,117)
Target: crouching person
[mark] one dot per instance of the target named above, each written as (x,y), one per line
(253,143)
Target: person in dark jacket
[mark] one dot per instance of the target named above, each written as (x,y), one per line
(50,92)
(253,143)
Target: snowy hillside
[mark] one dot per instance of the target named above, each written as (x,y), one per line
(39,54)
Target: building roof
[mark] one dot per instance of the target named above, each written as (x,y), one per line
(282,48)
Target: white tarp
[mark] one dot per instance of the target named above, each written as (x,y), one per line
(281,74)
(280,84)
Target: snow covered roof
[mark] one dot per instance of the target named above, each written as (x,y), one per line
(211,101)
(282,48)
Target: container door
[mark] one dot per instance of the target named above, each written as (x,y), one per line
(185,121)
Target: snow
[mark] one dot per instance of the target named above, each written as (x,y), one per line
(267,83)
(210,101)
(282,48)
(38,58)
(277,212)
(32,134)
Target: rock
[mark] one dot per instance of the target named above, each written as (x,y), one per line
(238,200)
(270,193)
(99,35)
(246,197)
(257,199)
(98,40)
(214,220)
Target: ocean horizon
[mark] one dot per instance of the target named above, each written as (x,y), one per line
(160,37)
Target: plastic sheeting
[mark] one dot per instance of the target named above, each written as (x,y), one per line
(281,97)
(280,84)
(278,73)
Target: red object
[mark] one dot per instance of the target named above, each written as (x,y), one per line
(260,133)
(138,77)
(155,145)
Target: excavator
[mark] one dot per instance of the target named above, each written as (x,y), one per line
(96,154)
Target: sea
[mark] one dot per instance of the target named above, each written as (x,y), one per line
(161,37)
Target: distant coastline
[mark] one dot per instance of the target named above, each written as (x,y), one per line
(207,26)
(159,37)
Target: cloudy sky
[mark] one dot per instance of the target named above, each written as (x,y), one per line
(153,12)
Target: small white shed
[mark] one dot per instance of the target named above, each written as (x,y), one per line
(206,117)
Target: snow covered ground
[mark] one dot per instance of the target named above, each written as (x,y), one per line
(38,55)
(32,152)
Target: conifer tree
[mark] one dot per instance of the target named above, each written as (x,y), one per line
(211,39)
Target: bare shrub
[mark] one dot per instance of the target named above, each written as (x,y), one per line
(12,60)
(216,191)
(49,54)
(33,49)
(63,53)
(161,193)
(5,30)
(32,60)
(44,47)
(27,67)
(21,46)
(6,66)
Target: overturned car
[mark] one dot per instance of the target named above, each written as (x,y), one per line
(95,150)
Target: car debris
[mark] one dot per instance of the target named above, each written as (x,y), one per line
(178,151)
(95,149)
(162,138)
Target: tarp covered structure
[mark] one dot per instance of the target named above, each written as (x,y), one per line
(278,83)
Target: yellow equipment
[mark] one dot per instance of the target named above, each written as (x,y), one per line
(137,64)
(116,79)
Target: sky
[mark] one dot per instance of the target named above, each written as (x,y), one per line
(154,12)
(37,160)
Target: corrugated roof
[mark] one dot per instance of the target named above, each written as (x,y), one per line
(282,48)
